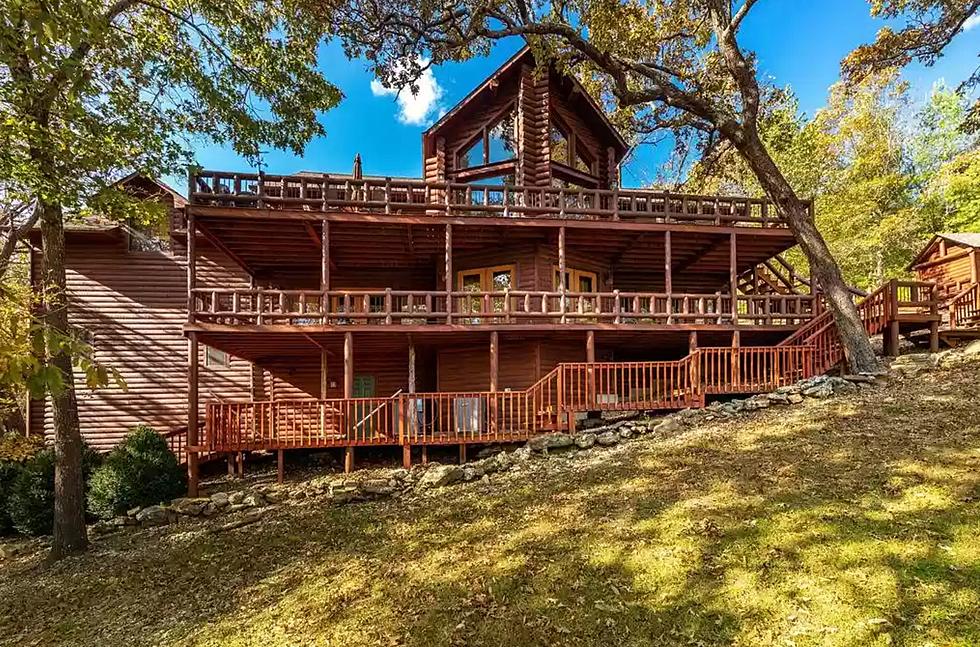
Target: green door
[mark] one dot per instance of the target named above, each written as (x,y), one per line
(365,425)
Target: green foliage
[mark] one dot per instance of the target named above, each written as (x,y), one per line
(30,500)
(141,471)
(18,448)
(8,472)
(884,174)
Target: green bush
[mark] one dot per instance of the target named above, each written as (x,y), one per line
(30,502)
(8,472)
(141,471)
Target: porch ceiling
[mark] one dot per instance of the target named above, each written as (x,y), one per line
(290,248)
(261,346)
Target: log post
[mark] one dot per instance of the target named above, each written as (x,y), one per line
(348,392)
(695,367)
(494,359)
(668,273)
(733,276)
(449,273)
(280,466)
(562,269)
(325,270)
(590,371)
(192,413)
(348,365)
(736,373)
(191,265)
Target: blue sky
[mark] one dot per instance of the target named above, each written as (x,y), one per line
(799,43)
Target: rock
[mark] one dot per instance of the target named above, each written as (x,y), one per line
(104,527)
(209,510)
(538,443)
(626,433)
(794,398)
(545,442)
(519,454)
(584,441)
(377,487)
(473,471)
(914,363)
(235,507)
(253,500)
(219,499)
(972,349)
(689,414)
(188,506)
(840,385)
(440,475)
(789,390)
(399,474)
(823,390)
(607,438)
(132,512)
(778,398)
(124,521)
(668,425)
(488,452)
(860,378)
(249,517)
(236,498)
(155,515)
(343,494)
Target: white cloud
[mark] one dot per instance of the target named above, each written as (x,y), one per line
(419,108)
(971,22)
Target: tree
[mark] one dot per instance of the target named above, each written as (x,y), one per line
(91,87)
(677,64)
(930,26)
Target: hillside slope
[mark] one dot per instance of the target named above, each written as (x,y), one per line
(848,521)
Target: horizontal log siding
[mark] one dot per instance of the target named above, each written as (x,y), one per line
(952,272)
(133,304)
(299,377)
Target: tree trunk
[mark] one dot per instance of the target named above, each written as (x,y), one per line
(69,491)
(824,270)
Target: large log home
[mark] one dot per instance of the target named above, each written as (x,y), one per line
(511,290)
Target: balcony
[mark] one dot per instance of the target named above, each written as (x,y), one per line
(264,307)
(325,193)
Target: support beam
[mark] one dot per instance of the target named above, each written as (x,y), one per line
(668,272)
(733,275)
(411,365)
(348,365)
(324,379)
(494,361)
(192,413)
(325,256)
(692,341)
(449,273)
(892,338)
(348,460)
(590,347)
(191,265)
(562,271)
(407,456)
(224,249)
(280,466)
(736,370)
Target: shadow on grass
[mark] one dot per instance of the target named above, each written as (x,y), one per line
(852,522)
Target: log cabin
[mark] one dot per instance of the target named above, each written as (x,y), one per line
(512,289)
(952,262)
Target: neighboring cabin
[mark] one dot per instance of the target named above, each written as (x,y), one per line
(951,260)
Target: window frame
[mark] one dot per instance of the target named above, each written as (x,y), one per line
(574,274)
(486,276)
(211,362)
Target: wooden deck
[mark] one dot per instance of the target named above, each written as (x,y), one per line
(478,308)
(321,192)
(502,416)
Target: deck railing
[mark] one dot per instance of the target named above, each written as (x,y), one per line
(964,308)
(397,307)
(892,302)
(497,416)
(321,192)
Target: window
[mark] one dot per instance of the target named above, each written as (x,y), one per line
(565,150)
(484,279)
(494,143)
(577,280)
(216,357)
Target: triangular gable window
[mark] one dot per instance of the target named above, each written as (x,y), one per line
(562,145)
(495,143)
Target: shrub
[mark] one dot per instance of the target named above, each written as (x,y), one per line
(140,472)
(30,502)
(17,447)
(8,472)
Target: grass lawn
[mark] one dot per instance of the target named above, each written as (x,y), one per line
(847,522)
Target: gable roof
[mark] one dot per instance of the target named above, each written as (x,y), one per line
(524,55)
(967,239)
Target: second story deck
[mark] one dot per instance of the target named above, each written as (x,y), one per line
(327,193)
